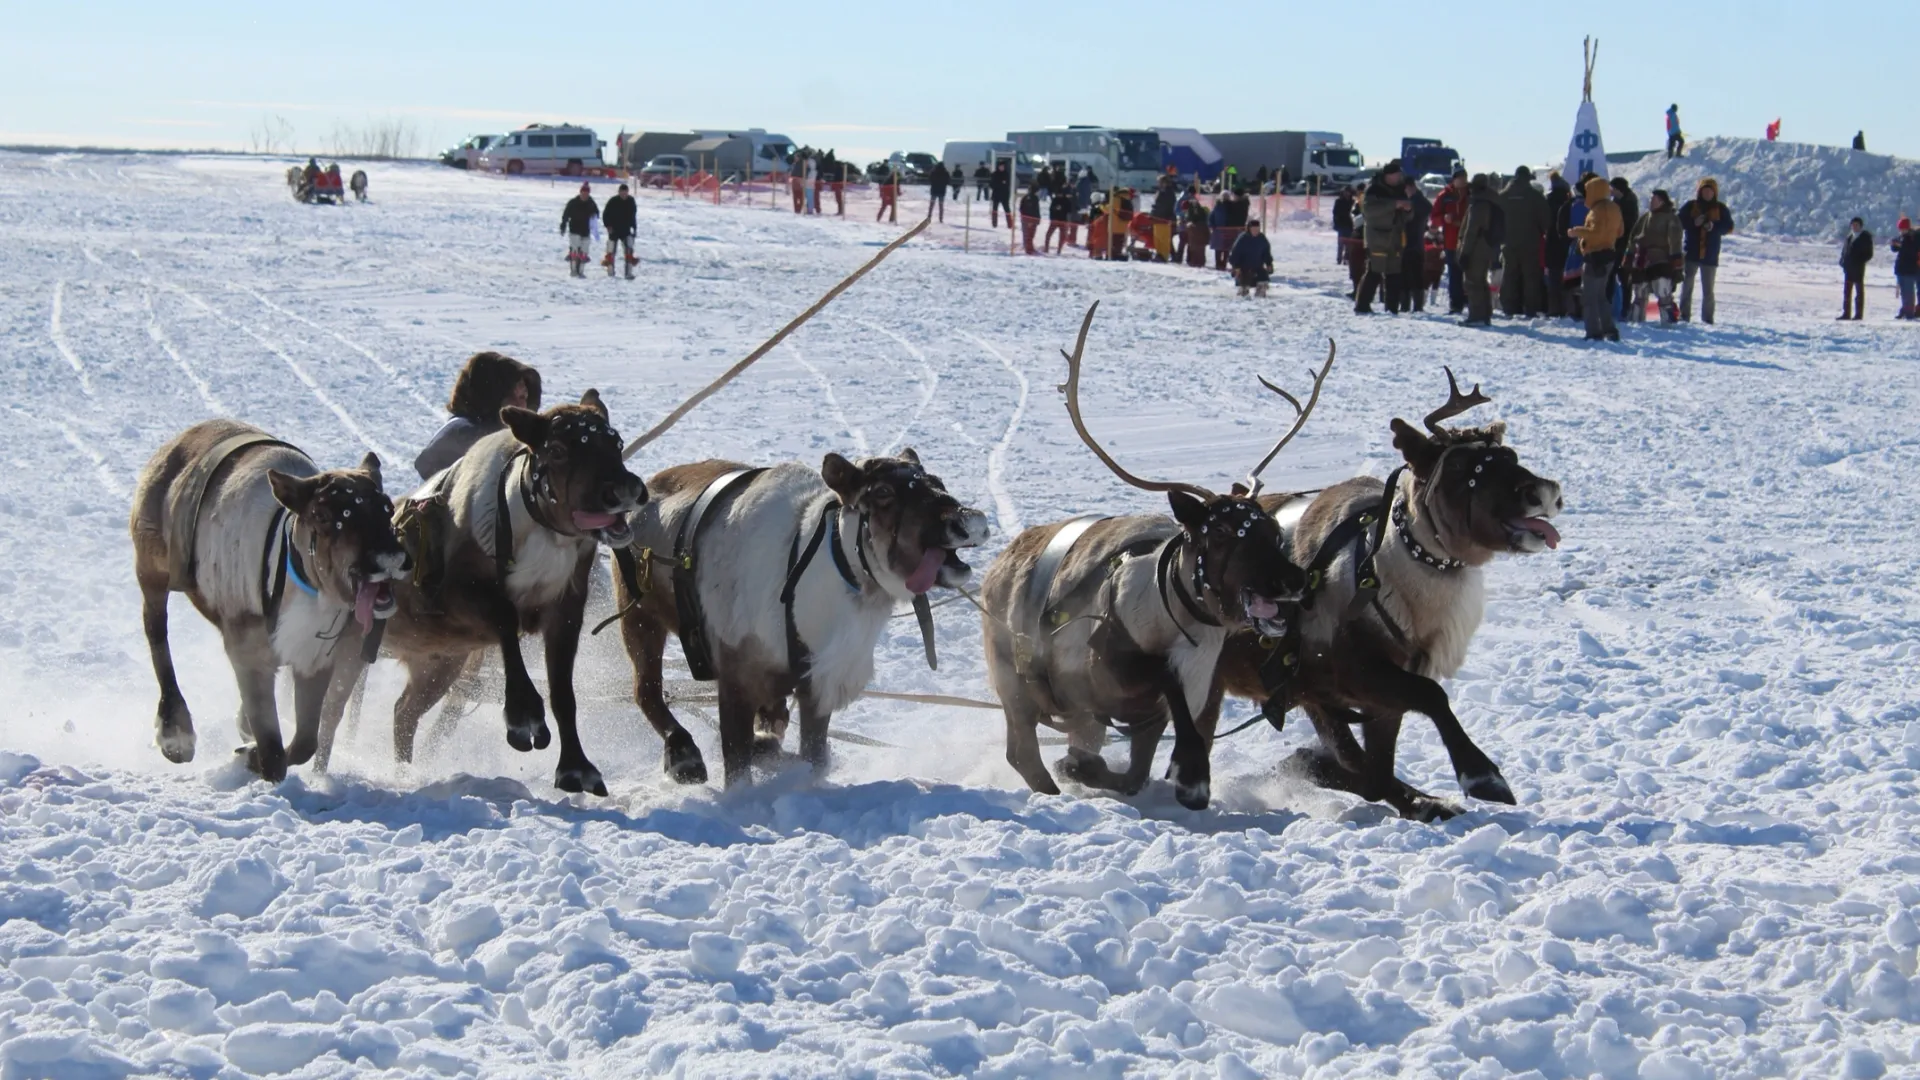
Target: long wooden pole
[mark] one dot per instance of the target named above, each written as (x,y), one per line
(766,346)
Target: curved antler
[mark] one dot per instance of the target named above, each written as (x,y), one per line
(1457,403)
(1300,414)
(1072,389)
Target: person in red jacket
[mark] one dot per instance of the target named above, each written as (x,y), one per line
(889,196)
(1449,210)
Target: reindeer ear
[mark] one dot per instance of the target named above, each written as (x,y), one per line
(591,399)
(843,477)
(907,455)
(1187,510)
(1420,451)
(1496,432)
(1239,491)
(293,492)
(527,426)
(371,466)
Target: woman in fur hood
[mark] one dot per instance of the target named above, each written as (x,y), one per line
(488,383)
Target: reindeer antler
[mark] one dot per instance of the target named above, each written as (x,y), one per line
(1300,414)
(1457,403)
(1072,389)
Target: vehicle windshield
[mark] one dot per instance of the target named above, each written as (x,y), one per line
(1342,159)
(1139,150)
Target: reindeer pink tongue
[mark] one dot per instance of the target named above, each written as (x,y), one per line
(927,572)
(363,599)
(590,521)
(1541,528)
(1259,607)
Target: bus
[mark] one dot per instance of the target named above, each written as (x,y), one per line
(1117,156)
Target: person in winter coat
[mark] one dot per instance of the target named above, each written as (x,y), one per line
(1342,223)
(1629,204)
(1060,220)
(1001,185)
(621,217)
(1030,215)
(1704,220)
(1860,140)
(1449,211)
(1906,269)
(982,181)
(1384,210)
(797,181)
(1654,250)
(1597,236)
(937,191)
(1166,198)
(1523,289)
(1559,197)
(576,221)
(1083,190)
(487,383)
(889,196)
(1194,233)
(1413,250)
(1676,142)
(1252,260)
(1481,231)
(1856,251)
(1231,210)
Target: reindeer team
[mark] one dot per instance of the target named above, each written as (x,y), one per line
(1348,603)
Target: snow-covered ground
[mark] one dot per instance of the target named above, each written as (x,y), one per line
(1706,700)
(1791,189)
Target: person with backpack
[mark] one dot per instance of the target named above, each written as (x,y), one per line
(577,221)
(1482,232)
(1856,251)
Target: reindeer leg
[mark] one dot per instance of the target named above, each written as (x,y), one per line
(347,686)
(1191,767)
(646,642)
(736,730)
(1085,762)
(1478,776)
(525,712)
(174,721)
(813,735)
(1339,763)
(1145,742)
(309,695)
(428,678)
(561,635)
(770,730)
(254,667)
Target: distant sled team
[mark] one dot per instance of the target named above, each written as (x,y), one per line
(1347,603)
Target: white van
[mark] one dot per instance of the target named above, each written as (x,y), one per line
(539,149)
(770,153)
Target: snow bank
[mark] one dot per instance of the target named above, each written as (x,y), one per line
(1789,189)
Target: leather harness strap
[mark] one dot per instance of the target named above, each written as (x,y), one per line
(686,593)
(183,532)
(1029,649)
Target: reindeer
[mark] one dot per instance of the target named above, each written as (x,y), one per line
(511,533)
(232,517)
(1393,609)
(1119,621)
(784,579)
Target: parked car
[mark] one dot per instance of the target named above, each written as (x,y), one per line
(664,169)
(541,149)
(909,173)
(467,154)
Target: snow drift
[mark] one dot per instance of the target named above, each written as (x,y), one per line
(1789,189)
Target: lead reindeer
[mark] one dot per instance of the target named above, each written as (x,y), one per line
(516,522)
(293,565)
(784,579)
(1118,622)
(1397,593)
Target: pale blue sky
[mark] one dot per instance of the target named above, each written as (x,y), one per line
(1500,81)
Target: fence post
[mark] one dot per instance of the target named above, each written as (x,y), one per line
(966,234)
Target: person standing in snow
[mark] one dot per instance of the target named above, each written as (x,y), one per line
(1597,236)
(1166,199)
(1342,223)
(1001,186)
(1523,289)
(982,181)
(1449,211)
(1030,214)
(1559,198)
(1194,233)
(889,196)
(1413,250)
(1252,260)
(1856,251)
(1655,250)
(576,221)
(813,184)
(1704,220)
(1676,142)
(937,191)
(1384,210)
(1860,140)
(1481,231)
(620,219)
(1906,269)
(1060,213)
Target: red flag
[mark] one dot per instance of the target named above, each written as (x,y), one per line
(1773,130)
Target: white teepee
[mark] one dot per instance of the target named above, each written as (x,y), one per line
(1586,153)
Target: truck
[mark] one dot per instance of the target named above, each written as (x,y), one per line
(1313,160)
(1426,157)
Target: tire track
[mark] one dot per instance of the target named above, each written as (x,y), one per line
(160,338)
(100,464)
(1003,505)
(932,385)
(391,372)
(300,372)
(833,402)
(58,333)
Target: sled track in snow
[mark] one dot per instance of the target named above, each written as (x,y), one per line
(932,385)
(392,373)
(833,401)
(57,332)
(300,372)
(74,439)
(1003,504)
(160,338)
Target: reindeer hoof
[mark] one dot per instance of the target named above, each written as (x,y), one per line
(766,747)
(579,778)
(684,763)
(1193,796)
(1487,787)
(176,746)
(1430,811)
(527,737)
(300,751)
(1089,770)
(270,765)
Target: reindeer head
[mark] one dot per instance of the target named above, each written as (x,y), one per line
(581,484)
(1241,571)
(908,522)
(348,551)
(1471,489)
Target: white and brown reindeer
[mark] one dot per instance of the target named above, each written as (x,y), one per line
(1118,622)
(783,580)
(517,519)
(292,564)
(1396,593)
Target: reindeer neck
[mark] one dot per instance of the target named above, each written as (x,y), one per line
(1148,600)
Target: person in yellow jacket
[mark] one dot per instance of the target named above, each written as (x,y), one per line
(1597,236)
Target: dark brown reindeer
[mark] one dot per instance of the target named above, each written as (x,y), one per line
(784,580)
(1118,622)
(513,527)
(1396,595)
(293,565)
